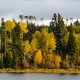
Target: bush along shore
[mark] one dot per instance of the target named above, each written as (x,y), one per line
(27,47)
(54,71)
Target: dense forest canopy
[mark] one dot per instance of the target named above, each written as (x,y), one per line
(26,45)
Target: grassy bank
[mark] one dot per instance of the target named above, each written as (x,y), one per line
(8,70)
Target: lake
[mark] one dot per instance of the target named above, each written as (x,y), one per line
(38,76)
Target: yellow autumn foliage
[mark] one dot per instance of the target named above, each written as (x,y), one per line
(51,57)
(34,45)
(46,41)
(57,61)
(26,45)
(9,25)
(77,37)
(38,57)
(52,41)
(23,27)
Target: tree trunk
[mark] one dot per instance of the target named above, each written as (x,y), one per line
(5,44)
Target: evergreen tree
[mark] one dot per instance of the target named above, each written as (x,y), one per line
(60,31)
(72,47)
(17,48)
(77,23)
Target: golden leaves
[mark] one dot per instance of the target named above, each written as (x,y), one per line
(23,27)
(57,60)
(45,40)
(9,25)
(52,41)
(38,57)
(27,47)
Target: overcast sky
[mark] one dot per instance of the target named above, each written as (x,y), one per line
(40,8)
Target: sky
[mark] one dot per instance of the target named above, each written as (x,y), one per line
(10,9)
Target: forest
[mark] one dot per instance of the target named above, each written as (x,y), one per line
(25,45)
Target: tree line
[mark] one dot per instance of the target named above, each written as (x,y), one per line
(26,45)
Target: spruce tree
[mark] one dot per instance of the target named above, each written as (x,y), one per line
(60,31)
(72,47)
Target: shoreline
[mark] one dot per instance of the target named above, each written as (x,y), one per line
(53,71)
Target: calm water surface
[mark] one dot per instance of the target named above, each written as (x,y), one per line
(39,76)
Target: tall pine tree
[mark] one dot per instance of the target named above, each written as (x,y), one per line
(60,31)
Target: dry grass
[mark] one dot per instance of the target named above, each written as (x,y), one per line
(9,70)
